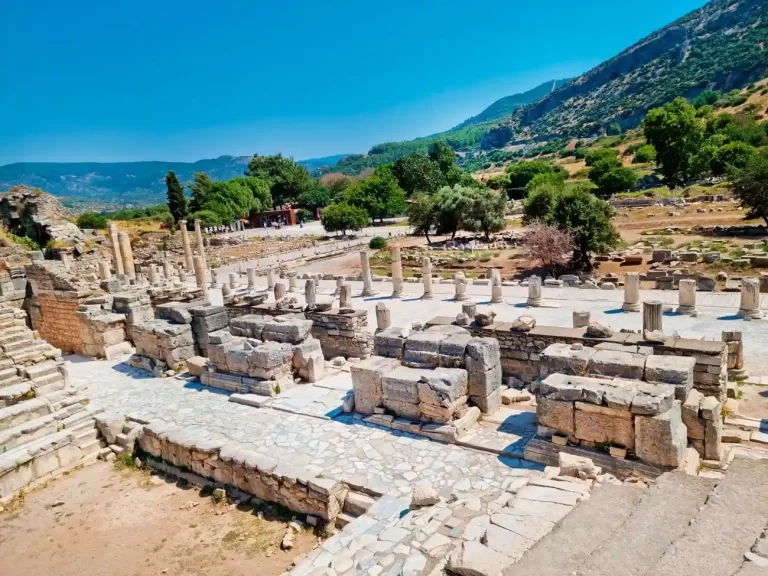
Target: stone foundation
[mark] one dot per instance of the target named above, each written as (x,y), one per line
(342,334)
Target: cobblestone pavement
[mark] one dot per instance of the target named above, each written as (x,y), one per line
(377,459)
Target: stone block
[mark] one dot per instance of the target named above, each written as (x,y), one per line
(390,342)
(220,337)
(661,440)
(422,349)
(613,363)
(555,414)
(483,351)
(196,365)
(402,409)
(304,351)
(710,408)
(271,355)
(443,386)
(564,359)
(452,350)
(690,415)
(439,413)
(675,370)
(402,384)
(288,330)
(651,399)
(483,382)
(603,424)
(488,404)
(713,439)
(366,382)
(250,326)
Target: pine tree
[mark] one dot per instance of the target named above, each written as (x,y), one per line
(177,201)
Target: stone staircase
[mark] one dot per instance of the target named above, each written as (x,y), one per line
(682,524)
(45,423)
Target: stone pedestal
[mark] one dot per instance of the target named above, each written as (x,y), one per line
(226,290)
(187,247)
(750,299)
(397,272)
(233,280)
(470,309)
(251,278)
(365,264)
(104,272)
(631,292)
(292,282)
(686,297)
(534,291)
(270,279)
(182,276)
(460,287)
(152,274)
(127,253)
(383,316)
(200,271)
(116,248)
(736,370)
(426,278)
(496,296)
(339,284)
(652,315)
(167,270)
(309,293)
(345,296)
(279,291)
(580,318)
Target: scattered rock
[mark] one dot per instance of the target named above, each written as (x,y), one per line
(289,540)
(524,324)
(577,466)
(484,318)
(654,336)
(424,495)
(599,330)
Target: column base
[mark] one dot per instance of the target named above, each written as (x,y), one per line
(534,302)
(396,295)
(686,310)
(631,307)
(428,297)
(462,298)
(497,300)
(745,313)
(367,293)
(738,374)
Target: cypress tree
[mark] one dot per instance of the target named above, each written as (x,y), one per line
(177,201)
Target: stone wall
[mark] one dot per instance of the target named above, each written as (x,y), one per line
(342,334)
(161,345)
(102,331)
(53,314)
(521,351)
(236,465)
(206,319)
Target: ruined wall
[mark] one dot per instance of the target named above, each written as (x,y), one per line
(342,334)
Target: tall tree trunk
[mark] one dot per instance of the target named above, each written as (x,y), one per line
(427,235)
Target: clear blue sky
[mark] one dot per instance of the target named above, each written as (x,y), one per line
(111,80)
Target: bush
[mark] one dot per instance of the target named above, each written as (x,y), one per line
(377,243)
(207,218)
(92,220)
(342,217)
(28,243)
(304,215)
(645,154)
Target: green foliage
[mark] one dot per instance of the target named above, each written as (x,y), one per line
(486,212)
(378,243)
(418,173)
(734,155)
(540,203)
(207,218)
(522,173)
(200,186)
(645,154)
(262,198)
(158,211)
(28,243)
(614,128)
(600,154)
(554,178)
(750,184)
(92,220)
(286,179)
(610,177)
(676,134)
(341,217)
(452,205)
(379,194)
(443,155)
(706,98)
(422,215)
(316,197)
(177,201)
(229,200)
(304,215)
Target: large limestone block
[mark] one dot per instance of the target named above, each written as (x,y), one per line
(271,355)
(483,352)
(473,559)
(488,404)
(662,439)
(441,413)
(310,348)
(651,399)
(443,386)
(452,350)
(612,363)
(483,382)
(366,382)
(290,330)
(690,415)
(603,424)
(713,439)
(250,326)
(572,388)
(555,414)
(390,342)
(402,384)
(422,349)
(565,359)
(675,370)
(406,410)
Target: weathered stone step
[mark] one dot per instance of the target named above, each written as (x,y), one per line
(39,371)
(36,460)
(23,412)
(661,518)
(343,519)
(79,413)
(356,504)
(48,384)
(726,526)
(31,431)
(10,337)
(92,446)
(593,521)
(85,436)
(10,395)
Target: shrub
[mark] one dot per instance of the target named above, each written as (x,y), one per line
(342,217)
(645,154)
(91,220)
(378,243)
(206,217)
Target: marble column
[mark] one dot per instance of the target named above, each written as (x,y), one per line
(496,295)
(182,276)
(631,292)
(167,270)
(214,279)
(202,283)
(225,290)
(199,240)
(309,293)
(580,318)
(232,280)
(733,339)
(750,299)
(251,278)
(292,282)
(339,284)
(345,296)
(365,264)
(270,279)
(383,316)
(185,244)
(397,272)
(152,274)
(104,272)
(653,313)
(686,297)
(534,291)
(127,253)
(279,291)
(116,248)
(426,278)
(470,309)
(460,287)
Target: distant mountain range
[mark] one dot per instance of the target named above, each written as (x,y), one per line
(123,183)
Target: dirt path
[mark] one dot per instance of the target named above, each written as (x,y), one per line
(97,521)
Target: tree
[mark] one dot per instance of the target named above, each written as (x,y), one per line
(676,134)
(91,220)
(644,155)
(706,98)
(177,201)
(316,197)
(342,217)
(443,155)
(614,129)
(262,199)
(379,195)
(486,212)
(734,155)
(452,206)
(750,184)
(611,177)
(229,200)
(547,245)
(207,218)
(286,179)
(418,173)
(200,187)
(599,155)
(523,172)
(554,178)
(422,214)
(540,203)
